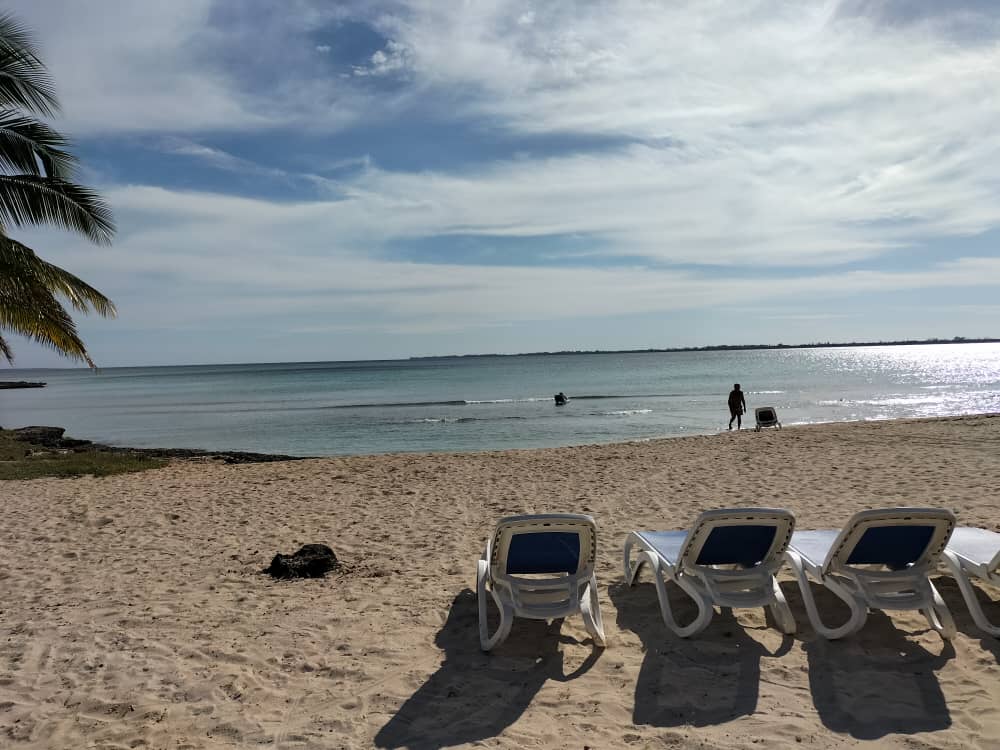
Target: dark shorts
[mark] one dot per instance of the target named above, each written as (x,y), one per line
(736,411)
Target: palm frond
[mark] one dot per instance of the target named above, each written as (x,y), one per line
(28,146)
(18,261)
(33,200)
(24,80)
(28,303)
(33,311)
(6,351)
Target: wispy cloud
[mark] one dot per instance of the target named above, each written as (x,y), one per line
(848,144)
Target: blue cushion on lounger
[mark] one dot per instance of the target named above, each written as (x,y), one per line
(893,546)
(744,545)
(544,552)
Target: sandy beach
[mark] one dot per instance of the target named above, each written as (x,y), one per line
(134,613)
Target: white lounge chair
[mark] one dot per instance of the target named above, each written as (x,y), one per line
(540,567)
(974,553)
(881,559)
(766,416)
(728,559)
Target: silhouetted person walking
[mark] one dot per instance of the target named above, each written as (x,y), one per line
(737,405)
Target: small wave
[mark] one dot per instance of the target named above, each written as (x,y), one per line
(624,395)
(509,400)
(626,412)
(457,402)
(454,420)
(759,392)
(471,402)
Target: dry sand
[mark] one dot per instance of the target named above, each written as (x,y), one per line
(133,613)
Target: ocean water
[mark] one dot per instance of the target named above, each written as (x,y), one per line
(483,403)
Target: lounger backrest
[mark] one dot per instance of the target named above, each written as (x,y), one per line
(897,538)
(551,543)
(766,415)
(746,537)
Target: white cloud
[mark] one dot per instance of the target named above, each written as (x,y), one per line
(394,58)
(173,67)
(216,258)
(795,134)
(741,135)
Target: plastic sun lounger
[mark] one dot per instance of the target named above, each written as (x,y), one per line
(766,416)
(540,567)
(881,559)
(728,559)
(974,553)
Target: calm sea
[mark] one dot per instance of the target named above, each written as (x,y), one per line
(477,403)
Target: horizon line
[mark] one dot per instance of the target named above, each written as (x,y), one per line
(561,353)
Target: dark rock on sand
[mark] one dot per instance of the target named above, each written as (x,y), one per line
(311,561)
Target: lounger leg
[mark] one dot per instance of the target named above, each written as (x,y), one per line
(487,642)
(590,609)
(631,573)
(660,573)
(859,613)
(782,612)
(939,615)
(969,594)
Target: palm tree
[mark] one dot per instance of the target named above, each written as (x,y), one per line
(36,187)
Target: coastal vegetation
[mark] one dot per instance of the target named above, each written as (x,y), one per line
(24,459)
(37,187)
(737,347)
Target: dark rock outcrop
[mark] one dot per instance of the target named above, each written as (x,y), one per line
(311,561)
(50,437)
(230,457)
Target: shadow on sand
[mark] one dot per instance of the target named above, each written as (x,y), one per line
(878,681)
(709,679)
(952,596)
(474,696)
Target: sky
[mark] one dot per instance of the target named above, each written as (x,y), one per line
(314,180)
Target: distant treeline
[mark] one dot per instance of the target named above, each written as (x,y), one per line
(735,347)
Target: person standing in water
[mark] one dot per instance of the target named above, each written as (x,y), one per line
(737,405)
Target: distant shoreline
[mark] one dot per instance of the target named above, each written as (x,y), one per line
(651,350)
(726,348)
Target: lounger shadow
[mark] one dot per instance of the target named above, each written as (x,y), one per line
(724,666)
(881,682)
(471,696)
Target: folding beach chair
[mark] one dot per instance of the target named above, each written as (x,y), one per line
(881,559)
(766,417)
(540,567)
(728,559)
(974,553)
